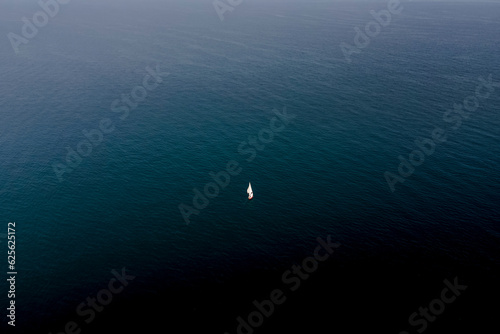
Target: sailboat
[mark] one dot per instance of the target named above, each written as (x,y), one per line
(250,191)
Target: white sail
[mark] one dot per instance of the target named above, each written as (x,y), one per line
(249,191)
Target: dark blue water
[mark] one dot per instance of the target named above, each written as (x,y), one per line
(323,174)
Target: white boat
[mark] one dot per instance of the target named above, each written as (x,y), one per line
(250,191)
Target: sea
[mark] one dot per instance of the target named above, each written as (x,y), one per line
(369,131)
